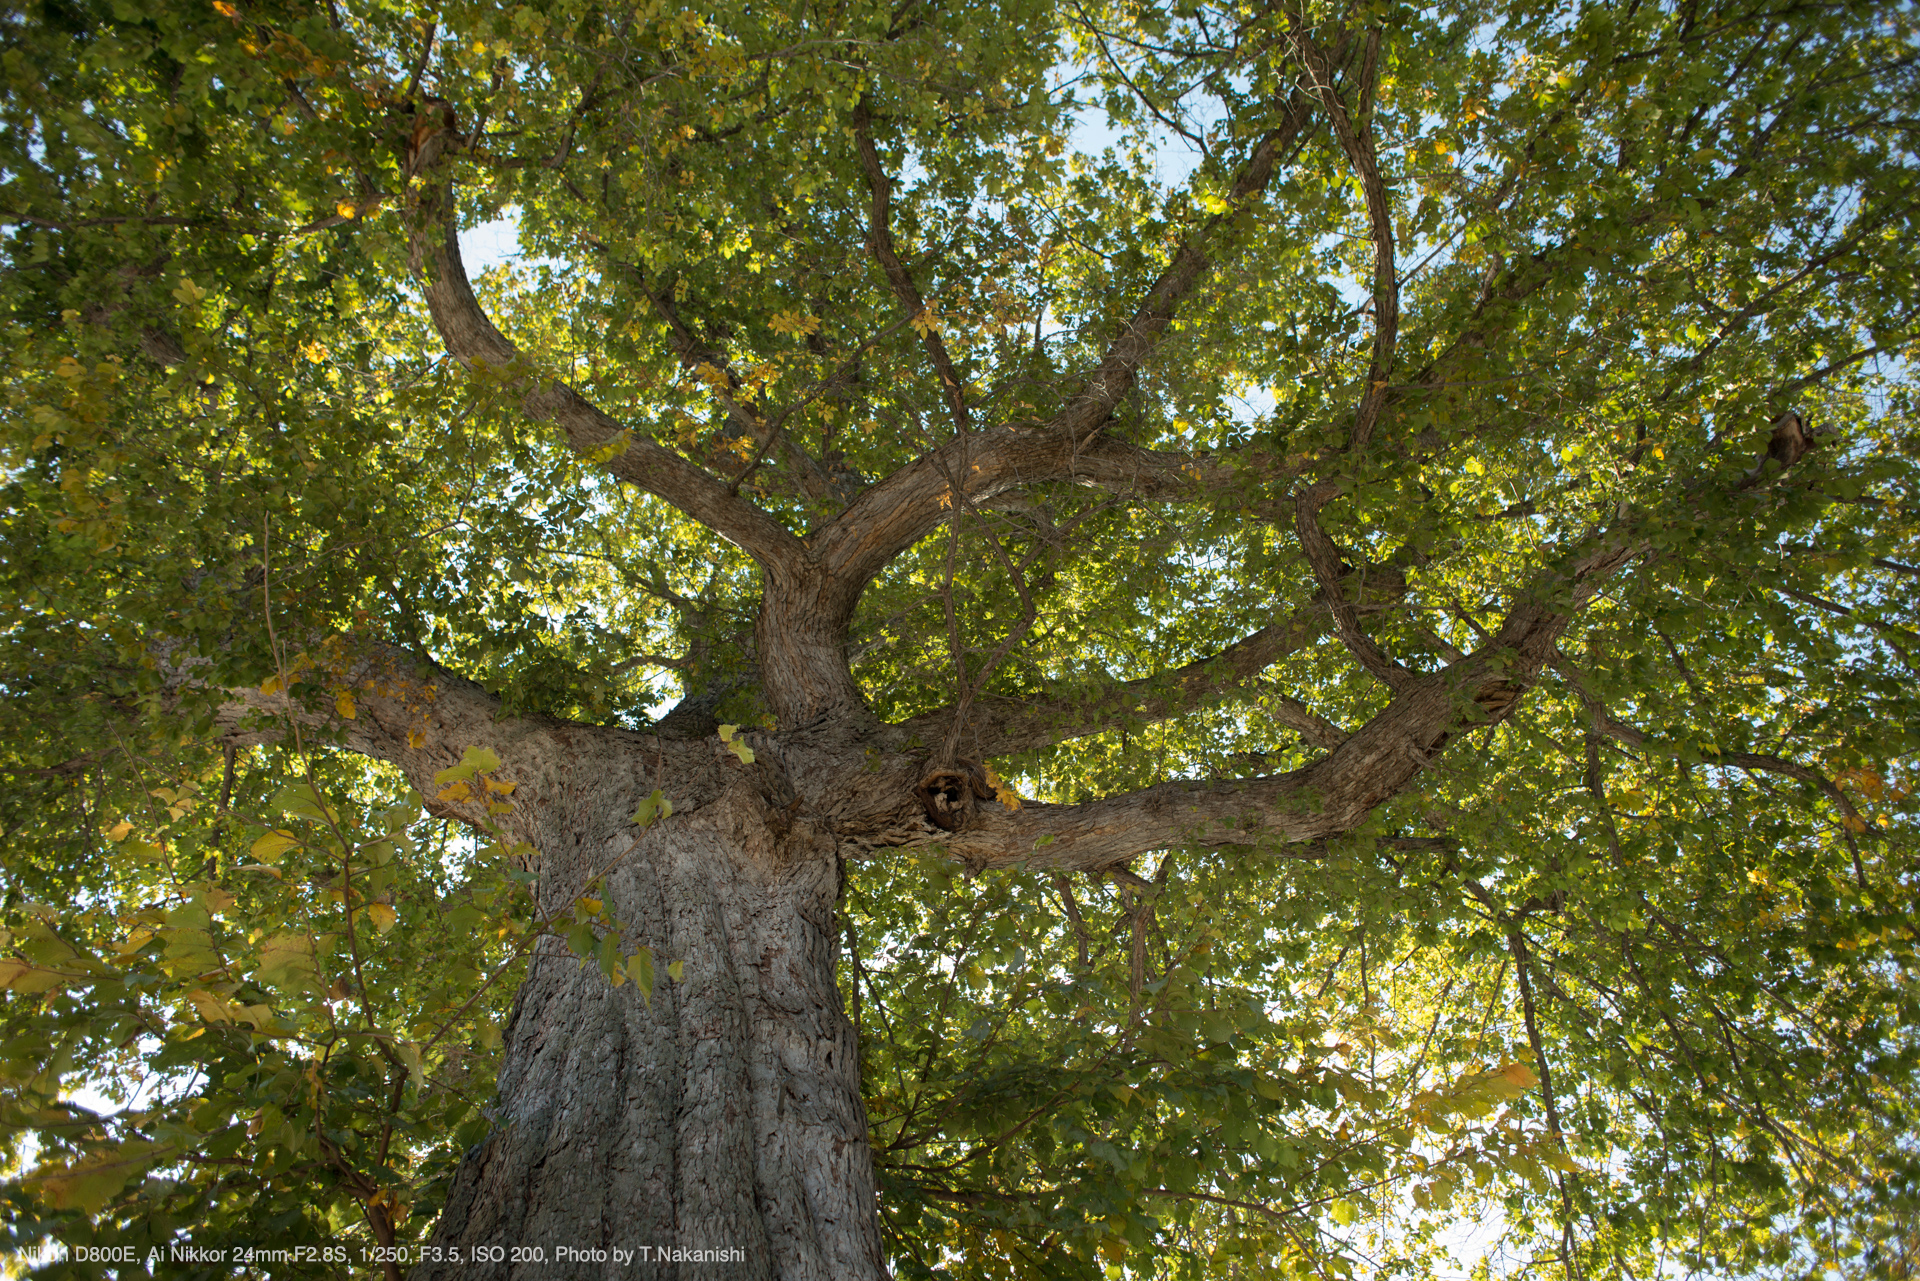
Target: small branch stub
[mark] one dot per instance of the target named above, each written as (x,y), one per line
(950,794)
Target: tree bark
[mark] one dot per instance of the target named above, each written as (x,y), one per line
(724,1118)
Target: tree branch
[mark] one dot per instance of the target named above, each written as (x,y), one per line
(1328,567)
(695,354)
(1887,631)
(471,336)
(915,500)
(1605,723)
(405,710)
(904,507)
(1357,143)
(997,727)
(880,244)
(1118,369)
(1335,794)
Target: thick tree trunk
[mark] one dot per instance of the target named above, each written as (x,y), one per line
(723,1121)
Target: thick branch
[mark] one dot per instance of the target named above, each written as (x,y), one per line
(1335,794)
(1356,140)
(406,710)
(1118,369)
(911,503)
(900,510)
(471,336)
(385,702)
(998,727)
(1326,799)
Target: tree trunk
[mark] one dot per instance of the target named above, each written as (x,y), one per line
(724,1120)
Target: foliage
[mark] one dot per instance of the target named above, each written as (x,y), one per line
(1628,969)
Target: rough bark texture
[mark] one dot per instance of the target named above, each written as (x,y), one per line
(724,1116)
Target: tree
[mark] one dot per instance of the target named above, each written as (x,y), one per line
(1224,716)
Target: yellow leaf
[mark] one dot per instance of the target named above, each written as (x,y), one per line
(622,440)
(794,322)
(269,847)
(454,793)
(212,1008)
(140,937)
(28,980)
(1521,1075)
(737,746)
(270,686)
(382,916)
(343,703)
(287,961)
(999,785)
(120,831)
(91,1182)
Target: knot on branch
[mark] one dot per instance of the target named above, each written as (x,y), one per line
(949,794)
(1498,700)
(430,134)
(1789,440)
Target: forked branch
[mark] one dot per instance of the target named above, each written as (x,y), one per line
(1198,252)
(470,334)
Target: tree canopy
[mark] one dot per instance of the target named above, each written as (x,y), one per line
(1391,530)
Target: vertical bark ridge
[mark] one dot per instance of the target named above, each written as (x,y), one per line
(724,1116)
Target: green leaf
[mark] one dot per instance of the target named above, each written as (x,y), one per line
(737,746)
(640,970)
(301,801)
(654,808)
(475,760)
